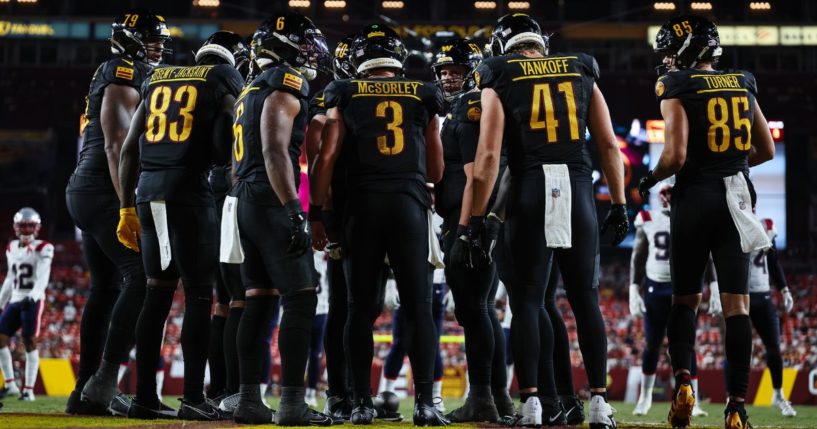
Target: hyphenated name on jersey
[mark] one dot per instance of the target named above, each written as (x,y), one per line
(656,227)
(720,109)
(29,267)
(385,120)
(546,102)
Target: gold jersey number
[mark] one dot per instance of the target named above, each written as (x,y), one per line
(177,131)
(543,102)
(393,126)
(238,134)
(719,133)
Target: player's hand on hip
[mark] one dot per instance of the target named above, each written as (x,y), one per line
(129,228)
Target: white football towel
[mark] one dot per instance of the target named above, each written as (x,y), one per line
(230,250)
(158,209)
(739,200)
(435,254)
(558,207)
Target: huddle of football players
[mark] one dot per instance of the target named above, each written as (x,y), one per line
(190,175)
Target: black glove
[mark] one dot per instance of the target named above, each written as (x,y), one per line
(493,224)
(617,218)
(478,244)
(458,252)
(300,236)
(645,184)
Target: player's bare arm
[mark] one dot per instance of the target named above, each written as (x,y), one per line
(223,130)
(118,105)
(434,151)
(486,162)
(762,143)
(129,160)
(676,133)
(278,116)
(601,128)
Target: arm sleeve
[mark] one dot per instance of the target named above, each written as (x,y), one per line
(122,72)
(485,76)
(751,83)
(590,65)
(43,271)
(669,86)
(775,270)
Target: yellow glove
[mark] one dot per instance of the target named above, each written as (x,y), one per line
(129,228)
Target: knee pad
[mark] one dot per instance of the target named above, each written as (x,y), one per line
(301,301)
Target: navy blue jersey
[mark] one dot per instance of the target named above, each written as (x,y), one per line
(92,158)
(248,159)
(386,119)
(181,104)
(546,101)
(720,109)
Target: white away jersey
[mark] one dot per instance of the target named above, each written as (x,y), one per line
(655,224)
(759,267)
(323,285)
(28,270)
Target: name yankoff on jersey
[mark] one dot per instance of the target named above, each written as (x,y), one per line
(173,73)
(718,82)
(545,66)
(387,88)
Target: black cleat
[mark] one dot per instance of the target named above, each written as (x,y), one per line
(150,412)
(573,408)
(363,413)
(253,412)
(503,403)
(119,406)
(553,413)
(339,408)
(475,409)
(77,406)
(300,415)
(205,410)
(100,389)
(428,415)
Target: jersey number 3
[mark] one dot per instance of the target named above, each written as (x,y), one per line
(393,126)
(157,118)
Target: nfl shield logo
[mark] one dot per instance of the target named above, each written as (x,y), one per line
(742,205)
(555,193)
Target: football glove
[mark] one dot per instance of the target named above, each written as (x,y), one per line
(715,306)
(300,235)
(637,307)
(129,228)
(493,224)
(645,184)
(478,244)
(458,252)
(617,218)
(788,300)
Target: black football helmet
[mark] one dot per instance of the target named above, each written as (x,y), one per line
(378,46)
(513,29)
(133,29)
(291,39)
(224,47)
(341,64)
(461,52)
(687,39)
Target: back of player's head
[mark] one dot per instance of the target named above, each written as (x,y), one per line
(223,47)
(517,30)
(291,39)
(132,31)
(688,40)
(342,61)
(27,223)
(378,46)
(457,52)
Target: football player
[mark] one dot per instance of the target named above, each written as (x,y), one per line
(181,128)
(542,105)
(763,314)
(386,126)
(715,131)
(650,263)
(29,266)
(270,118)
(473,289)
(138,39)
(338,395)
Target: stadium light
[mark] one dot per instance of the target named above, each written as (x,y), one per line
(299,3)
(392,5)
(27,1)
(334,4)
(518,5)
(485,4)
(5,1)
(760,5)
(664,6)
(202,3)
(700,5)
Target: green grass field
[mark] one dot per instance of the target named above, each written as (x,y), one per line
(47,412)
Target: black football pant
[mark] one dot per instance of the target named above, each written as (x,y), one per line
(393,363)
(471,289)
(767,324)
(395,224)
(700,224)
(117,281)
(193,239)
(562,367)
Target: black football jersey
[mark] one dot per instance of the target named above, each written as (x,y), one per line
(720,109)
(546,101)
(386,119)
(248,160)
(317,105)
(181,104)
(118,71)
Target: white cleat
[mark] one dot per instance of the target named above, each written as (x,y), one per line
(439,405)
(642,407)
(697,411)
(785,408)
(600,415)
(27,395)
(530,413)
